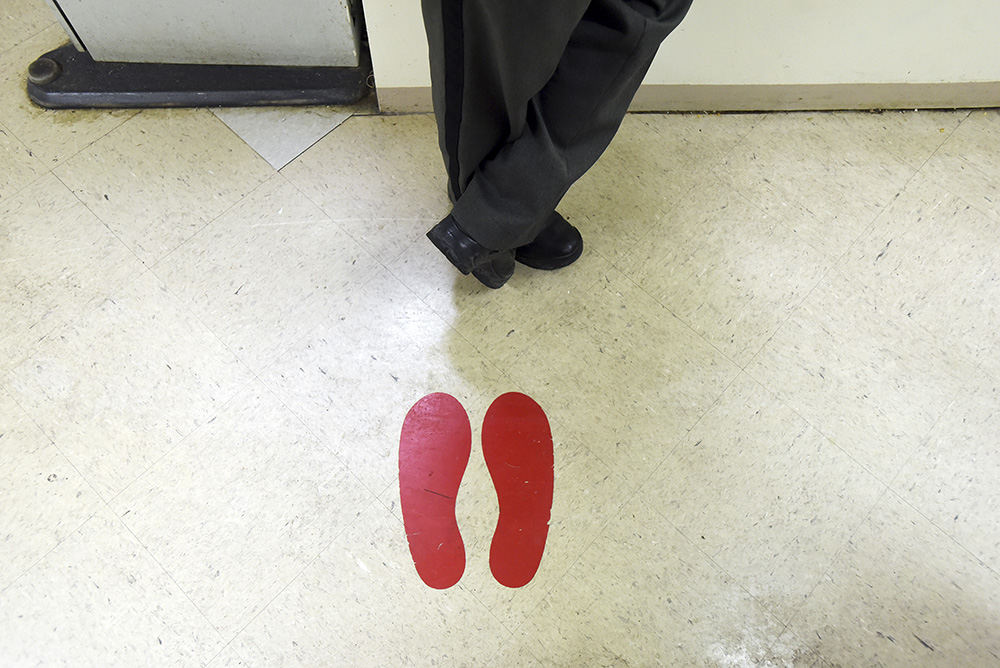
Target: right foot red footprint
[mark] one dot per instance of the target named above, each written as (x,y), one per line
(517,445)
(434,449)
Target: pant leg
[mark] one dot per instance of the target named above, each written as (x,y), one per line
(537,98)
(488,59)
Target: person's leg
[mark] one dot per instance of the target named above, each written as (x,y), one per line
(527,96)
(488,59)
(569,122)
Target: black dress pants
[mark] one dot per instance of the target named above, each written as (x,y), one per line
(528,94)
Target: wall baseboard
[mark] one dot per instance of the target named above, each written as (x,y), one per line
(765,97)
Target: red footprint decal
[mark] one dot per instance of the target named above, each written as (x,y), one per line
(434,450)
(517,445)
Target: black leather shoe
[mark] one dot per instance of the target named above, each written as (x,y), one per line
(492,268)
(558,245)
(497,270)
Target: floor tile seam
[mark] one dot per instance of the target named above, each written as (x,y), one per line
(29,37)
(231,647)
(824,277)
(50,439)
(826,437)
(306,564)
(91,304)
(726,575)
(780,222)
(681,439)
(25,574)
(720,155)
(596,534)
(44,169)
(392,258)
(721,174)
(123,493)
(784,623)
(992,215)
(315,331)
(793,307)
(683,321)
(482,348)
(217,120)
(201,229)
(860,292)
(103,222)
(323,442)
(944,186)
(940,145)
(126,116)
(902,497)
(193,311)
(494,659)
(314,143)
(528,616)
(978,560)
(170,576)
(333,219)
(834,559)
(209,223)
(748,370)
(763,119)
(661,212)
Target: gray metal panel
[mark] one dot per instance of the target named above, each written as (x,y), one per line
(216,32)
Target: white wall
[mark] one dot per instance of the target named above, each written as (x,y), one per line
(737,43)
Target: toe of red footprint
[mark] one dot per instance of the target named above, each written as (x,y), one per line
(517,445)
(434,449)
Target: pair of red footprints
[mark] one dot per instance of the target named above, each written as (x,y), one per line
(434,449)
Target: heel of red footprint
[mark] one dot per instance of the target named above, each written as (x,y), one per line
(434,449)
(517,445)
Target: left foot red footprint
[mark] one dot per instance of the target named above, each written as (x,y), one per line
(517,445)
(434,449)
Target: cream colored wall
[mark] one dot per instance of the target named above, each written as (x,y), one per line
(724,45)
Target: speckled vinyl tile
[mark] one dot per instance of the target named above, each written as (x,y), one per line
(499,323)
(51,136)
(397,185)
(705,138)
(643,594)
(968,165)
(267,272)
(933,258)
(952,479)
(360,603)
(241,507)
(636,183)
(21,19)
(162,176)
(21,167)
(792,497)
(623,376)
(56,257)
(121,386)
(100,598)
(726,268)
(823,173)
(868,379)
(228,658)
(44,498)
(902,593)
(354,378)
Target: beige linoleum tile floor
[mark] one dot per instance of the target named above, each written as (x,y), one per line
(772,380)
